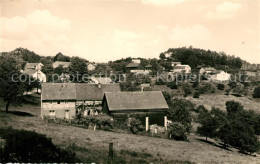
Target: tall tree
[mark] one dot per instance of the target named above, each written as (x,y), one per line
(78,68)
(11,88)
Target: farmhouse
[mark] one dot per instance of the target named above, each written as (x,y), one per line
(136,67)
(149,107)
(36,74)
(207,70)
(91,66)
(33,66)
(221,76)
(175,64)
(65,100)
(61,63)
(182,69)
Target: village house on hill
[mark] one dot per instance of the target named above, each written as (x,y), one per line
(36,74)
(136,67)
(207,70)
(220,76)
(91,66)
(61,63)
(179,68)
(182,69)
(149,107)
(33,66)
(65,100)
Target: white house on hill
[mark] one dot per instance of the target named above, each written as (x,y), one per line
(221,76)
(182,69)
(61,63)
(36,74)
(33,66)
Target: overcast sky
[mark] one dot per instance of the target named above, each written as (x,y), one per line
(108,30)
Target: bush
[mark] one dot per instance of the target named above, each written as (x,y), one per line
(221,86)
(177,131)
(26,146)
(196,94)
(256,92)
(135,125)
(180,111)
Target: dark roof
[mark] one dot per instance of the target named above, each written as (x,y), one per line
(133,65)
(135,100)
(58,91)
(76,91)
(31,65)
(92,92)
(180,66)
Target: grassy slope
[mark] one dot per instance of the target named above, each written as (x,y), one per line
(87,141)
(218,100)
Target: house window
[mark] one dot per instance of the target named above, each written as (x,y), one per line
(52,113)
(58,102)
(67,114)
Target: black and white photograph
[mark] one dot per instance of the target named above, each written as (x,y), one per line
(130,81)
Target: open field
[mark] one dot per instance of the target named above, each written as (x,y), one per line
(219,101)
(86,141)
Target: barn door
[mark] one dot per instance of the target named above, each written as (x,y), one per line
(67,114)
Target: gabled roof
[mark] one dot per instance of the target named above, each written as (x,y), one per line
(93,92)
(119,101)
(76,91)
(58,91)
(209,69)
(62,63)
(148,66)
(103,80)
(180,66)
(133,65)
(29,71)
(31,65)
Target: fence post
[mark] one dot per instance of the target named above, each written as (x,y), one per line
(165,122)
(146,123)
(110,153)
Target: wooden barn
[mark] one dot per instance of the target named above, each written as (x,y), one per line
(146,106)
(65,100)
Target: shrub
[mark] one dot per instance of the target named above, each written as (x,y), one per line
(177,131)
(172,85)
(256,92)
(200,109)
(26,146)
(135,125)
(221,86)
(196,94)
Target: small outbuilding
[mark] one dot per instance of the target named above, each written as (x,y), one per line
(146,106)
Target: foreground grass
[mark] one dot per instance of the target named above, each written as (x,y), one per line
(92,146)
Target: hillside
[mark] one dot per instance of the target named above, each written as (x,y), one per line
(86,141)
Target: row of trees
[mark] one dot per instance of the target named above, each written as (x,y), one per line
(195,57)
(236,127)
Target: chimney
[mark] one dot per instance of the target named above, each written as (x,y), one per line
(99,85)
